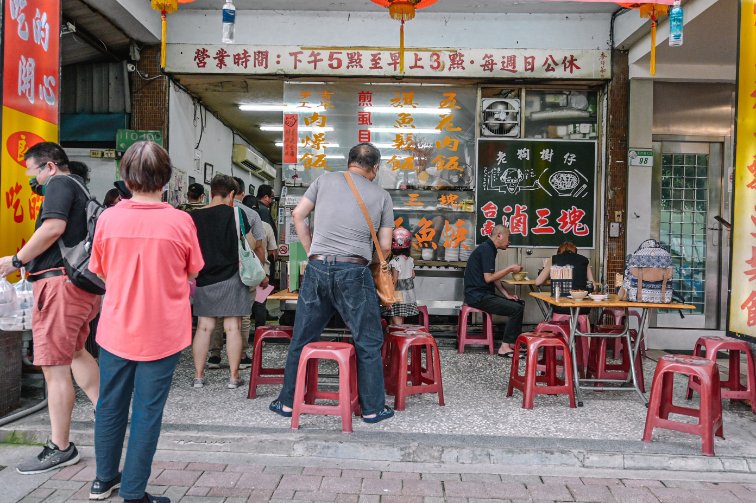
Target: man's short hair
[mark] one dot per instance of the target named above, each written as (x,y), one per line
(364,155)
(146,167)
(240,183)
(500,228)
(80,169)
(264,190)
(195,191)
(48,151)
(250,201)
(222,185)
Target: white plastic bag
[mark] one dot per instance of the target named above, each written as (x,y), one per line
(25,298)
(8,305)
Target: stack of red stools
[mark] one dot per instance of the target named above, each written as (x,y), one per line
(465,339)
(560,323)
(527,383)
(404,345)
(732,388)
(616,316)
(259,374)
(660,405)
(306,391)
(599,368)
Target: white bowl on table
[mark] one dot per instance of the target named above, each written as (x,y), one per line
(598,297)
(578,294)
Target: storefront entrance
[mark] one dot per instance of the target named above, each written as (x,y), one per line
(688,199)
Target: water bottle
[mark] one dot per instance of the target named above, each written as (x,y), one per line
(229,18)
(676,25)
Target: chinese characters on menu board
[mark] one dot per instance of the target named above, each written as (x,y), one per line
(544,190)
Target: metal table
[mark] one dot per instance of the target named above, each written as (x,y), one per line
(612,302)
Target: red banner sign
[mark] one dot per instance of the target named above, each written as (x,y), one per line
(290,138)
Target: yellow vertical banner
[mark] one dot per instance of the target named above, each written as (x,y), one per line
(30,92)
(742,315)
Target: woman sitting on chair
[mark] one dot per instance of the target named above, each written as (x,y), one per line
(567,255)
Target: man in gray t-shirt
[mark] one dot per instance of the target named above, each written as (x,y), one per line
(337,278)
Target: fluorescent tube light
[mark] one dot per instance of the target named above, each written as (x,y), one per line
(255,107)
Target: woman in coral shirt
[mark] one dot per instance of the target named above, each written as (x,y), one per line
(146,251)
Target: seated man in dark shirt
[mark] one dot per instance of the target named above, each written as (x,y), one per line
(482,280)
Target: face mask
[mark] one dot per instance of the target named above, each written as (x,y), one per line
(36,187)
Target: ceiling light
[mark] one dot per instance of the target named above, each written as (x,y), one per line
(404,130)
(324,145)
(411,111)
(271,127)
(255,107)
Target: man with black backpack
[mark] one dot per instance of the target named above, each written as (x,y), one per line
(62,311)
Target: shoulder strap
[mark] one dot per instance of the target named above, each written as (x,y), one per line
(365,213)
(86,192)
(240,227)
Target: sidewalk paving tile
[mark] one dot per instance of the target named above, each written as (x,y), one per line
(550,492)
(591,492)
(175,493)
(369,498)
(465,489)
(198,491)
(633,495)
(339,485)
(82,494)
(480,477)
(281,470)
(68,472)
(562,480)
(442,476)
(642,483)
(60,496)
(260,495)
(74,485)
(41,492)
(324,472)
(177,478)
(169,465)
(402,499)
(422,488)
(218,479)
(506,490)
(600,481)
(152,489)
(259,481)
(206,467)
(283,494)
(489,500)
(201,499)
(739,490)
(245,468)
(154,474)
(362,474)
(382,487)
(230,492)
(686,484)
(347,498)
(301,482)
(31,499)
(314,496)
(400,475)
(87,474)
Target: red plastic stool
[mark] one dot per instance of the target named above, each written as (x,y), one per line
(660,404)
(599,368)
(465,339)
(616,316)
(423,317)
(527,383)
(306,390)
(263,375)
(409,344)
(732,388)
(562,326)
(387,350)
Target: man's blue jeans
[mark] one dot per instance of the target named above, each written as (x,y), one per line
(349,290)
(150,383)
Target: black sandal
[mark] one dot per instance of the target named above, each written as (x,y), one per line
(277,407)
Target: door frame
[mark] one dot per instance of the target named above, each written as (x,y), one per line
(718,242)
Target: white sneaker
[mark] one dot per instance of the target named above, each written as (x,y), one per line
(199,382)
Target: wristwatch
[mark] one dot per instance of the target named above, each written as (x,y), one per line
(16,262)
